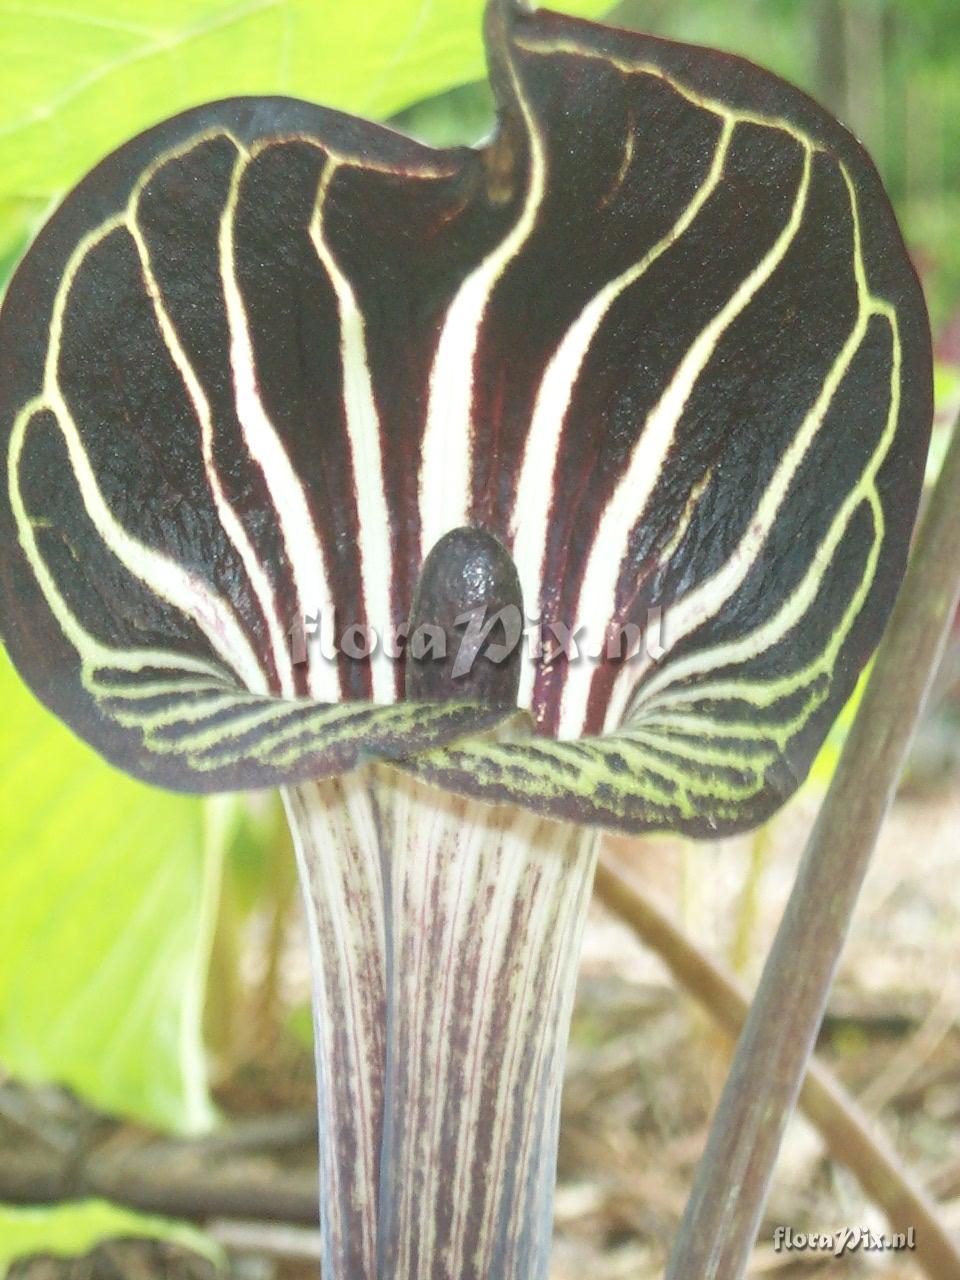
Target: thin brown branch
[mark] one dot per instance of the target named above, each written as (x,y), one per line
(844,1127)
(730,1189)
(57,1150)
(268,1239)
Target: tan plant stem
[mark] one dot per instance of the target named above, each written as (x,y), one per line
(722,1216)
(846,1130)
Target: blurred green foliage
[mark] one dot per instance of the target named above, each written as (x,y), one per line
(79,78)
(72,1229)
(105,914)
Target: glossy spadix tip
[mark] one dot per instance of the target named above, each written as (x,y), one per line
(466,622)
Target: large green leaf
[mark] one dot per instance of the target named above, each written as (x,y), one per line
(70,1230)
(78,79)
(104,894)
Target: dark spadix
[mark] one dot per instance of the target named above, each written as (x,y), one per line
(657,344)
(468,594)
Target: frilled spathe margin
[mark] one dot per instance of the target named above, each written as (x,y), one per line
(446,940)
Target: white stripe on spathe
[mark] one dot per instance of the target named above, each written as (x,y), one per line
(164,576)
(706,601)
(632,494)
(534,498)
(94,656)
(446,458)
(263,589)
(304,550)
(363,430)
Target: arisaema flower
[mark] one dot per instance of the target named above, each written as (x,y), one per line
(621,415)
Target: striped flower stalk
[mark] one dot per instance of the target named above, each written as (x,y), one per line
(650,366)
